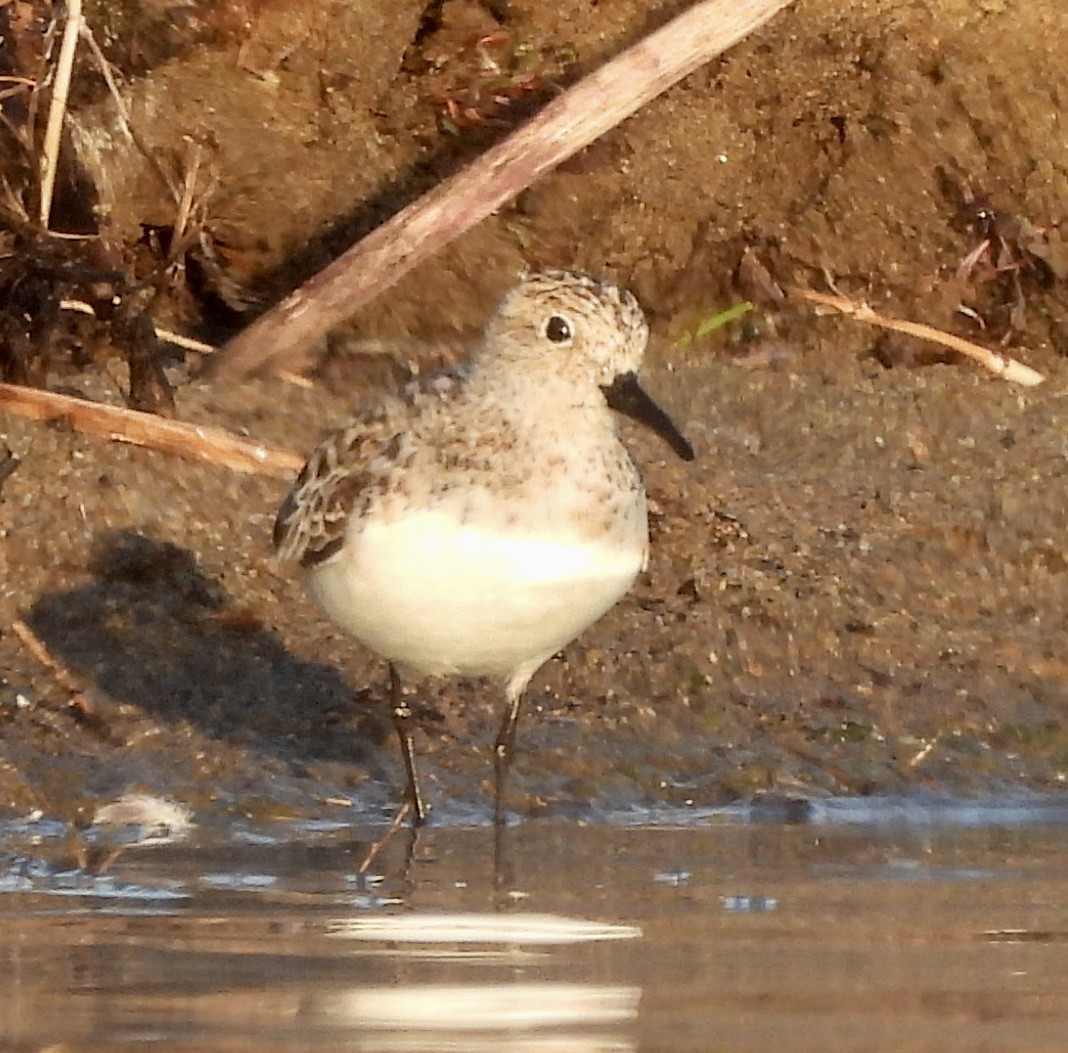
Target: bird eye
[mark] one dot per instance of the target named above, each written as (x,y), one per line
(558,329)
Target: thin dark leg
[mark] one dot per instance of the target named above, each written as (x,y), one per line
(503,749)
(503,870)
(402,721)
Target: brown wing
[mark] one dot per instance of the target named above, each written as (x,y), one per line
(341,475)
(354,464)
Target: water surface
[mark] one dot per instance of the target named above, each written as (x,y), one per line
(867,927)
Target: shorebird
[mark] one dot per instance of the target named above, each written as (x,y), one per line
(481,518)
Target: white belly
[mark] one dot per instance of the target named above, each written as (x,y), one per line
(439,597)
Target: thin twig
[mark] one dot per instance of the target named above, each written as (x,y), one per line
(123,114)
(58,108)
(398,818)
(62,675)
(854,783)
(187,343)
(185,203)
(1001,365)
(77,305)
(922,753)
(567,124)
(200,442)
(79,703)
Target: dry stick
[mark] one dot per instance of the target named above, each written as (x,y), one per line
(570,122)
(185,203)
(63,676)
(187,343)
(58,108)
(122,114)
(78,701)
(1002,365)
(196,441)
(399,816)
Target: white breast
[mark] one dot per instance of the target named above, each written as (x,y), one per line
(440,596)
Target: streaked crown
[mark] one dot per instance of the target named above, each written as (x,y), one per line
(573,322)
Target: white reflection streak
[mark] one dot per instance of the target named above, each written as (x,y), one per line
(473,1007)
(418,1042)
(502,1018)
(479,928)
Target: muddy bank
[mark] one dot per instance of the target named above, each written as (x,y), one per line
(858,587)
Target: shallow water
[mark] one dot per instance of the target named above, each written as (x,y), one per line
(868,926)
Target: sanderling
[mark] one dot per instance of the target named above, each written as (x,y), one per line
(483,517)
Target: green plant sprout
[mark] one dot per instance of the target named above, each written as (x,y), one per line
(714,322)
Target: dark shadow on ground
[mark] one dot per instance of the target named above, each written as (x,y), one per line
(153,631)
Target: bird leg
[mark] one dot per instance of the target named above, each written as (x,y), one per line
(403,722)
(503,749)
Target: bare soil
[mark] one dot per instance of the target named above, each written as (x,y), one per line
(858,587)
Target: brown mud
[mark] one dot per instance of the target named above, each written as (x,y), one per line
(859,586)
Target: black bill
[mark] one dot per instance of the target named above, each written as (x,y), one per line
(625,395)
